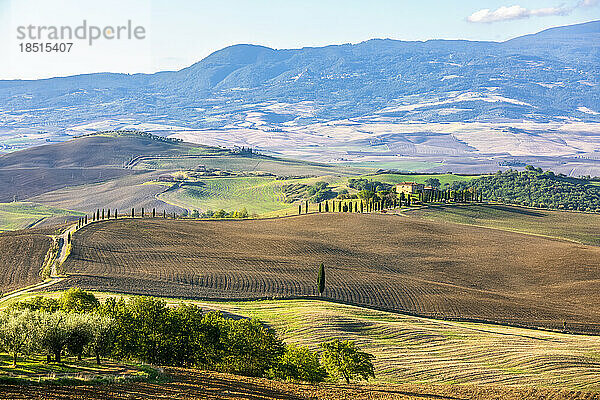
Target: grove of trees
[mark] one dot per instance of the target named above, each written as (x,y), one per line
(147,330)
(536,188)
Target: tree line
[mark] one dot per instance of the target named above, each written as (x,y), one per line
(536,188)
(146,329)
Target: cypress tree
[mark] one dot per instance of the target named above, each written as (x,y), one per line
(103,213)
(133,213)
(307,206)
(86,219)
(299,209)
(321,279)
(361,206)
(319,207)
(326,206)
(142,212)
(153,212)
(116,213)
(164,213)
(108,215)
(69,237)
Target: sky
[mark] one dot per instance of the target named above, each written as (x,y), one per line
(177,33)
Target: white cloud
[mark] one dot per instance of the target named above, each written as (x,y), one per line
(517,12)
(588,3)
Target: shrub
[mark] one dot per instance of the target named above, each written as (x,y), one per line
(77,300)
(343,359)
(299,364)
(251,348)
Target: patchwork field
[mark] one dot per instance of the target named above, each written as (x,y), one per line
(22,255)
(248,163)
(579,227)
(395,263)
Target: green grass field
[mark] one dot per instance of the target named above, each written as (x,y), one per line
(399,178)
(259,195)
(419,350)
(579,227)
(21,215)
(256,194)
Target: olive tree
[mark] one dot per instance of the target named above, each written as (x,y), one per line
(78,333)
(53,333)
(103,333)
(16,329)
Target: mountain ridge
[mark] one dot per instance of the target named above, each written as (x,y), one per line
(244,94)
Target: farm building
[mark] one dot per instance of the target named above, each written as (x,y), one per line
(409,187)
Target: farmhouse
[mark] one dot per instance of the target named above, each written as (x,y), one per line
(409,187)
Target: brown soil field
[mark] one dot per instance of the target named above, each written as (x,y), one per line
(22,255)
(121,193)
(394,263)
(92,151)
(79,161)
(192,384)
(24,183)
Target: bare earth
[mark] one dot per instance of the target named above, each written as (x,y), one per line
(395,263)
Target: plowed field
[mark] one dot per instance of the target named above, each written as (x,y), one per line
(22,255)
(394,263)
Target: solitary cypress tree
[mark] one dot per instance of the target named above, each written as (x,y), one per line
(164,213)
(133,213)
(153,212)
(69,237)
(321,279)
(299,209)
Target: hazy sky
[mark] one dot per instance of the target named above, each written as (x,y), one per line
(181,32)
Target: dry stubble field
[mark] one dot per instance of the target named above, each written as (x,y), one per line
(394,263)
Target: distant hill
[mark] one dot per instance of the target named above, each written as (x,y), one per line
(369,102)
(107,150)
(79,161)
(546,75)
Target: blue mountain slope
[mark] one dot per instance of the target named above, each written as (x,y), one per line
(548,76)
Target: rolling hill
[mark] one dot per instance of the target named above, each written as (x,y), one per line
(396,263)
